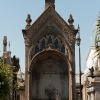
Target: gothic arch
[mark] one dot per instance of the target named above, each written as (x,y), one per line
(41,58)
(50,53)
(50,60)
(66,45)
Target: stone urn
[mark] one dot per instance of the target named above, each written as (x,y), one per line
(96,73)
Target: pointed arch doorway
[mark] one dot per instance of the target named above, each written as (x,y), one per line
(50,76)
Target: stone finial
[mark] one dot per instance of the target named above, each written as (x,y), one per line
(9,45)
(49,3)
(70,20)
(5,44)
(28,21)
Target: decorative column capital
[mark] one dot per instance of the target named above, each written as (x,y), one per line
(26,40)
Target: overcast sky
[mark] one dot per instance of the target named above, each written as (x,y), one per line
(14,13)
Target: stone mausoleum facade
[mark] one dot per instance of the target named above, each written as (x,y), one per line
(49,57)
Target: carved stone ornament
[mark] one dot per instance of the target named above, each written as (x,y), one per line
(70,20)
(26,40)
(21,84)
(28,20)
(50,47)
(50,17)
(88,82)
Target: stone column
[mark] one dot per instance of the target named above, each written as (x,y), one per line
(22,95)
(27,75)
(98,63)
(73,86)
(92,96)
(89,96)
(70,86)
(72,59)
(97,94)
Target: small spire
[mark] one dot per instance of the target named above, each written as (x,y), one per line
(97,31)
(78,28)
(98,20)
(28,21)
(5,44)
(70,20)
(9,45)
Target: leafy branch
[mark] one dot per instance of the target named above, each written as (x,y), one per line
(6,80)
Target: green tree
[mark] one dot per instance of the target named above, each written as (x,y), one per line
(97,41)
(6,77)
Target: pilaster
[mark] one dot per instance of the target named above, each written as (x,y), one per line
(89,96)
(73,76)
(92,95)
(70,85)
(97,91)
(27,74)
(22,95)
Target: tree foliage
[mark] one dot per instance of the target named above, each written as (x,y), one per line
(6,74)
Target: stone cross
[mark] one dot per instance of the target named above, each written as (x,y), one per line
(50,73)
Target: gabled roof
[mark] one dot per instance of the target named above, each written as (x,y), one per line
(49,13)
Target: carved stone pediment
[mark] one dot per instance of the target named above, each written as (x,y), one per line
(50,47)
(48,19)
